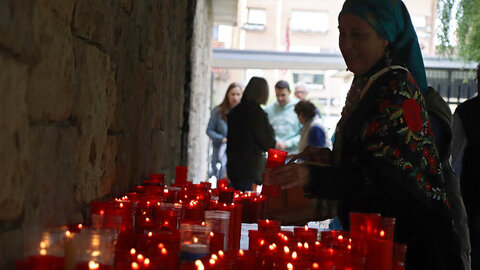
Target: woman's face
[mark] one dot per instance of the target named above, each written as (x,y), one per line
(301,118)
(234,96)
(359,43)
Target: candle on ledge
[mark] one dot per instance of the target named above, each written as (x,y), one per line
(268,225)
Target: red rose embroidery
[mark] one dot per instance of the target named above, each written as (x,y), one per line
(411,111)
(396,152)
(427,186)
(372,128)
(419,176)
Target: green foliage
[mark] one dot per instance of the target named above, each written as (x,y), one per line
(467,32)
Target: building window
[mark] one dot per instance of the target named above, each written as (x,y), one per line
(309,78)
(421,26)
(256,19)
(309,21)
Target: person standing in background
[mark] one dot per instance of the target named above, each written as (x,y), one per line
(250,135)
(466,164)
(313,131)
(282,117)
(301,90)
(217,129)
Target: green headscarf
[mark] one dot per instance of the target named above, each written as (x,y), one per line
(392,22)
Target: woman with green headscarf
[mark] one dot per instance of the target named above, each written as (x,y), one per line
(384,158)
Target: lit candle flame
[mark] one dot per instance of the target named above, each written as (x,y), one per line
(290,266)
(275,156)
(214,257)
(164,251)
(299,245)
(199,265)
(93,265)
(43,245)
(79,226)
(147,219)
(212,261)
(220,253)
(147,261)
(262,242)
(95,253)
(150,234)
(133,251)
(294,255)
(306,228)
(135,265)
(161,245)
(241,253)
(317,243)
(211,234)
(195,239)
(305,245)
(102,212)
(121,205)
(382,233)
(340,237)
(286,249)
(43,252)
(140,257)
(315,265)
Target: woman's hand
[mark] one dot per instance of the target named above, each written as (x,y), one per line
(224,140)
(288,176)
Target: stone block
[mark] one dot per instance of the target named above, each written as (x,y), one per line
(94,21)
(14,168)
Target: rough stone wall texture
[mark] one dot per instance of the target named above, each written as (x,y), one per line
(200,92)
(91,101)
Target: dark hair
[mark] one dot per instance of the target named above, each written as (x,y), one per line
(225,106)
(282,85)
(306,108)
(256,90)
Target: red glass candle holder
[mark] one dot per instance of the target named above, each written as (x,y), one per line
(363,226)
(225,195)
(159,178)
(381,246)
(305,234)
(180,176)
(222,183)
(276,158)
(269,225)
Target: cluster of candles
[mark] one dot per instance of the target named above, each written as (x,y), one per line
(154,226)
(191,226)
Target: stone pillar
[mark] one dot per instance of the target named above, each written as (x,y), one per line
(200,92)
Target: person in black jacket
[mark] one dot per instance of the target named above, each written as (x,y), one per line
(250,135)
(466,164)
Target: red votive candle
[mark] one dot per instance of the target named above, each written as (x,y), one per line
(363,227)
(159,178)
(194,211)
(225,195)
(305,234)
(180,175)
(268,225)
(380,257)
(276,158)
(217,241)
(222,183)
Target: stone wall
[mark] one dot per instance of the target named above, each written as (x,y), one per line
(92,99)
